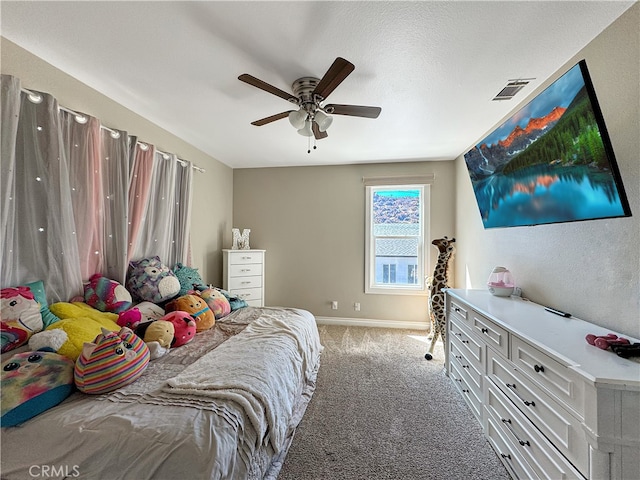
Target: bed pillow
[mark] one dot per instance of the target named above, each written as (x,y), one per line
(19,316)
(151,281)
(217,302)
(112,361)
(33,382)
(189,279)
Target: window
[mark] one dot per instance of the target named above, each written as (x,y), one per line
(395,231)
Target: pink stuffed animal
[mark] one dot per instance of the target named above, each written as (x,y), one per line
(130,318)
(184,326)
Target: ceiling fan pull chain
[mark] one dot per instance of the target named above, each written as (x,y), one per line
(308,144)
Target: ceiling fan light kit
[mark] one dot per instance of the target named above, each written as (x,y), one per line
(309,93)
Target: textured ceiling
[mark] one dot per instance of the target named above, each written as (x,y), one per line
(433,67)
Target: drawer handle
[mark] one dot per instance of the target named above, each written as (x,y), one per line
(526,402)
(465,366)
(245,283)
(465,341)
(457,333)
(484,330)
(245,270)
(465,390)
(459,357)
(507,422)
(505,455)
(538,368)
(457,309)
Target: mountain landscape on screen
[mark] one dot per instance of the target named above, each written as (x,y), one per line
(550,162)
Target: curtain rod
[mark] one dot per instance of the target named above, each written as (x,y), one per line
(36,97)
(166,155)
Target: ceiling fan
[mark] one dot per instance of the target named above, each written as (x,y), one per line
(309,93)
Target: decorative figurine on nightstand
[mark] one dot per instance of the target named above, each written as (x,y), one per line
(240,242)
(439,281)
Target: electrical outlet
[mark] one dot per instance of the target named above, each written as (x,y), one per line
(334,305)
(356,306)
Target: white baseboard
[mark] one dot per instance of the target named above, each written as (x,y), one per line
(370,322)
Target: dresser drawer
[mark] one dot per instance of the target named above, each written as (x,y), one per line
(552,376)
(247,294)
(472,395)
(516,465)
(245,282)
(472,349)
(240,257)
(469,366)
(526,440)
(459,310)
(245,269)
(556,422)
(495,336)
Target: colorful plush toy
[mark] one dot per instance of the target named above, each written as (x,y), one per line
(217,302)
(184,327)
(130,318)
(112,361)
(106,295)
(79,323)
(189,279)
(150,280)
(158,335)
(33,382)
(197,307)
(21,317)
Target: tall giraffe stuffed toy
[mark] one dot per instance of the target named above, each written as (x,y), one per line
(436,297)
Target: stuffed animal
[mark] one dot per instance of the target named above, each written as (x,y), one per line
(130,318)
(79,323)
(111,361)
(21,317)
(158,335)
(106,295)
(197,307)
(150,280)
(189,279)
(33,382)
(184,327)
(217,302)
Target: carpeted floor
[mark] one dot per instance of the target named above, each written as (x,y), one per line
(381,411)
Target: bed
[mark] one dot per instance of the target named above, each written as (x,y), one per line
(224,406)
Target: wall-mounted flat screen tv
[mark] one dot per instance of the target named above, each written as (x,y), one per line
(551,162)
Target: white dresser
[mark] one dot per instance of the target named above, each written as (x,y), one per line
(551,405)
(243,275)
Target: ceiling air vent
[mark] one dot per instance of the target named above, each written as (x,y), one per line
(513,87)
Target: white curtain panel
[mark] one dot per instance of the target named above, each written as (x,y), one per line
(79,198)
(115,188)
(81,142)
(180,251)
(38,228)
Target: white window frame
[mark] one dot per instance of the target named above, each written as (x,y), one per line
(419,288)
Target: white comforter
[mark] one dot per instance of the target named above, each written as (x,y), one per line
(225,416)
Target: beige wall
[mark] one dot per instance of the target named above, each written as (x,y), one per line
(311,221)
(590,269)
(213,190)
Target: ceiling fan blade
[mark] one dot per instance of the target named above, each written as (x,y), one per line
(256,82)
(317,133)
(353,110)
(272,118)
(338,71)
